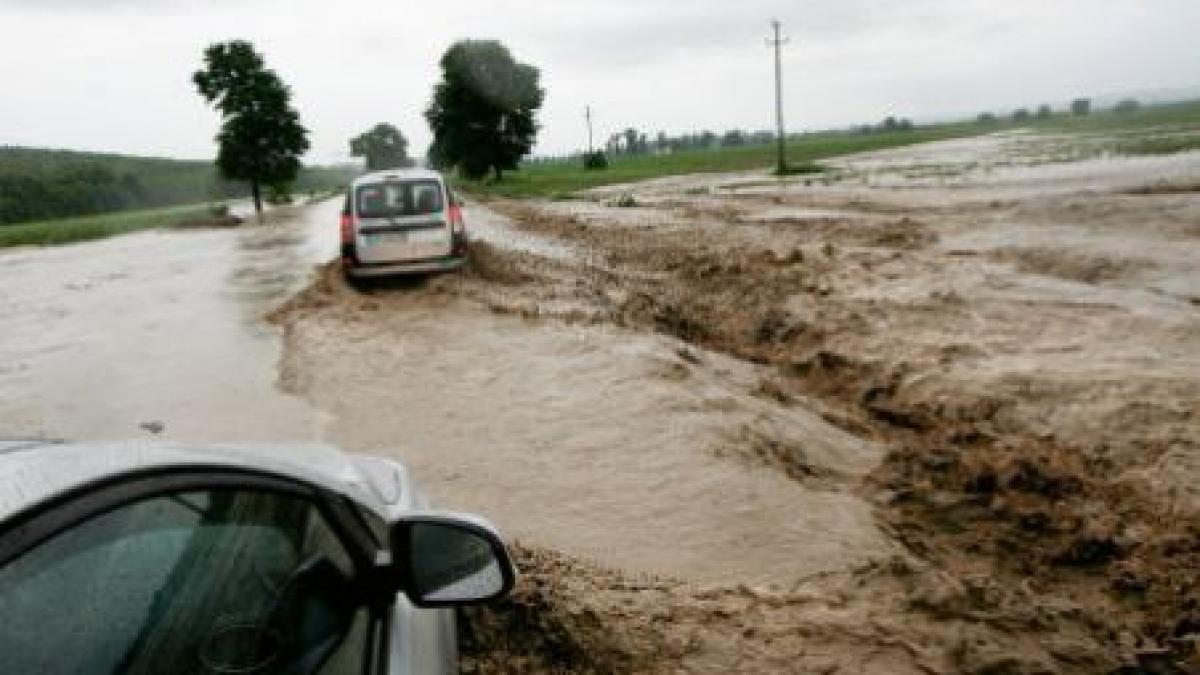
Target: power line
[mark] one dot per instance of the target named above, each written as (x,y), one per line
(778,42)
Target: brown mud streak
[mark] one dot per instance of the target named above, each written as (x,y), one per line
(569,616)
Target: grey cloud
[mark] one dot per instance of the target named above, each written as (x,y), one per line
(654,61)
(631,33)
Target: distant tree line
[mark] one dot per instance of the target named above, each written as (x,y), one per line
(631,141)
(40,184)
(889,123)
(1080,107)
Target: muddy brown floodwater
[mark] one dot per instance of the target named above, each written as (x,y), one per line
(157,332)
(589,440)
(933,411)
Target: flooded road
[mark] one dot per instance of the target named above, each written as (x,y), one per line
(165,333)
(160,331)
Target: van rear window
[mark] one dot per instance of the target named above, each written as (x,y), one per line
(409,198)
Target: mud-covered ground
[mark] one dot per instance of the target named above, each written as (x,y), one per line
(936,410)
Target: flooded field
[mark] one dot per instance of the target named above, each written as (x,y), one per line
(932,411)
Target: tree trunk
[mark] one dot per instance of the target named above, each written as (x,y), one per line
(499,174)
(256,192)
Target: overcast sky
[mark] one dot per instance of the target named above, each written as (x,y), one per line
(114,75)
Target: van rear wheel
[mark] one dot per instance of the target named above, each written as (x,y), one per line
(357,283)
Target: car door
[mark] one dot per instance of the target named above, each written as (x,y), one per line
(187,574)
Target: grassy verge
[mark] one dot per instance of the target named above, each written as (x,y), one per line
(562,178)
(67,230)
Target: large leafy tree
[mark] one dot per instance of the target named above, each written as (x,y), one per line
(483,113)
(261,139)
(384,147)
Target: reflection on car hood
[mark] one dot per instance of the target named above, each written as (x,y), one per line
(33,471)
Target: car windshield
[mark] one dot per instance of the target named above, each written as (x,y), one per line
(408,198)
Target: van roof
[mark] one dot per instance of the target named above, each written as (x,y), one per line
(397,174)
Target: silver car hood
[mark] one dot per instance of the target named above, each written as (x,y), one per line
(34,471)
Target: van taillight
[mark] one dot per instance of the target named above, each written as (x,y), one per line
(456,219)
(347,228)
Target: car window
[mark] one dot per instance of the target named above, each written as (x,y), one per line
(201,582)
(410,198)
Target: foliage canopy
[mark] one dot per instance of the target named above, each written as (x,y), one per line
(384,147)
(261,139)
(483,113)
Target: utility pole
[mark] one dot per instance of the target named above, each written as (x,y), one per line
(778,42)
(588,113)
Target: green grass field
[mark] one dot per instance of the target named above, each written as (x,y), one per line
(67,230)
(556,179)
(1154,129)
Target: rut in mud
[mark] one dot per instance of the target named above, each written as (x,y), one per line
(1000,366)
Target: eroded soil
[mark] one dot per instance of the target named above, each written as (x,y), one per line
(937,410)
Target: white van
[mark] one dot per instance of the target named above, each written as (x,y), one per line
(404,221)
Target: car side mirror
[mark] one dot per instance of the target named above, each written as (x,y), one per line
(448,560)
